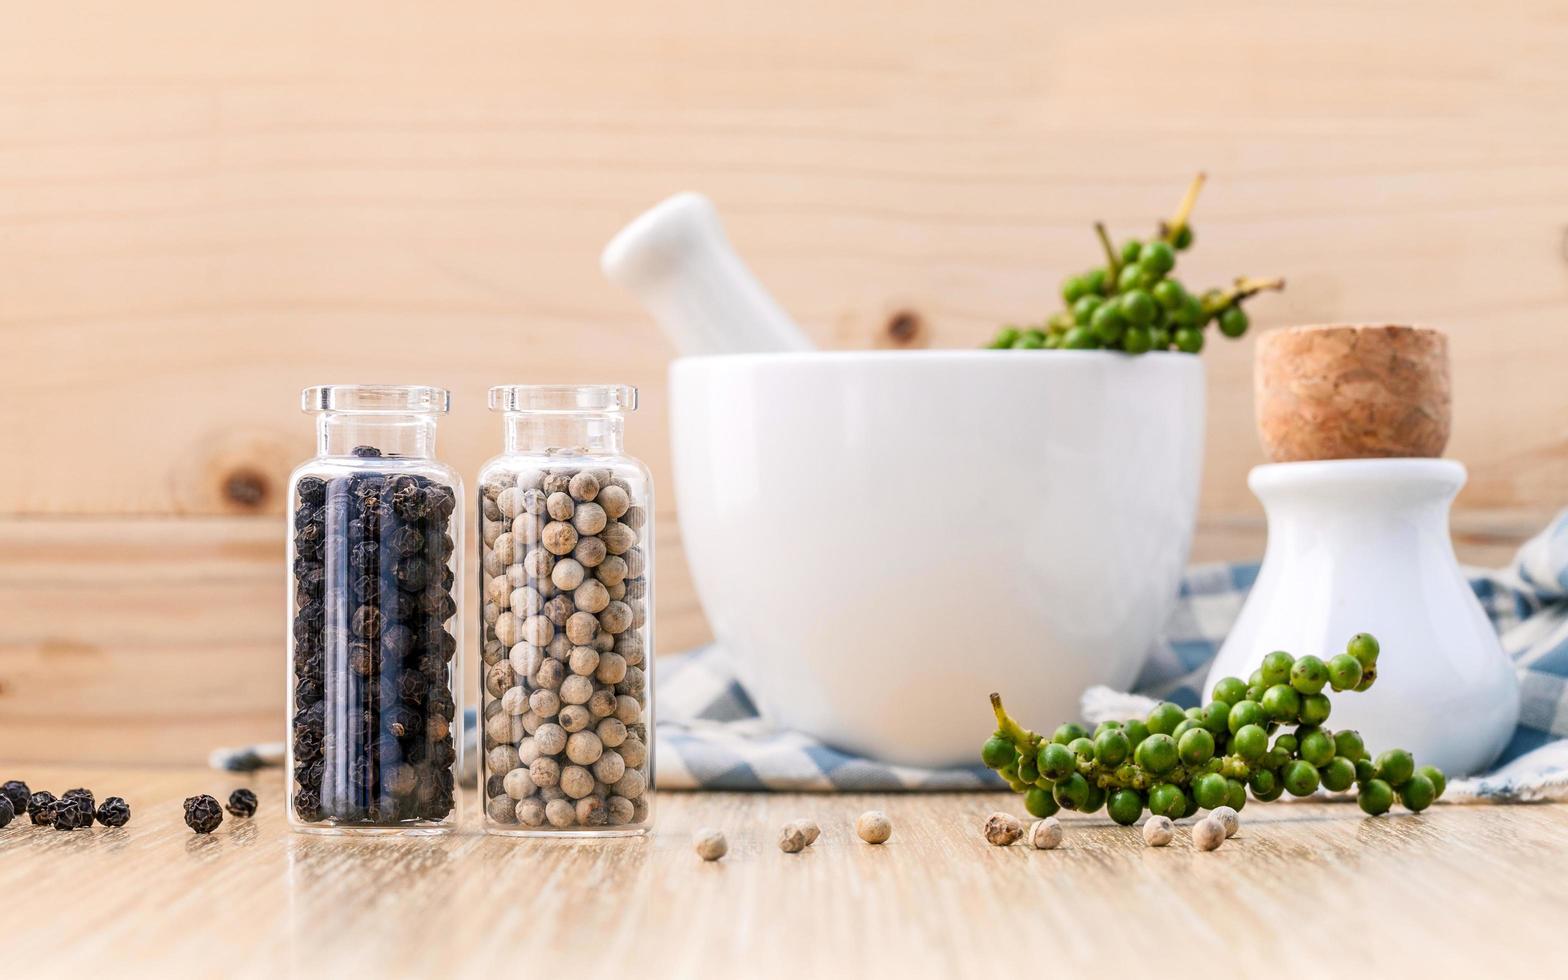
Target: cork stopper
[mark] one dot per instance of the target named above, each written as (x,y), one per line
(1352,392)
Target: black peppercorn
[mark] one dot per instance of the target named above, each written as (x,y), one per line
(411,574)
(307,745)
(114,812)
(242,803)
(440,702)
(202,814)
(7,811)
(70,813)
(17,792)
(84,796)
(367,621)
(307,805)
(38,805)
(406,541)
(364,452)
(403,721)
(312,489)
(397,642)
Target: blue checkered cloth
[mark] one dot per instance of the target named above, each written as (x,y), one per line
(710,736)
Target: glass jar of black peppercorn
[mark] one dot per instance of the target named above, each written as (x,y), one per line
(375,558)
(566,556)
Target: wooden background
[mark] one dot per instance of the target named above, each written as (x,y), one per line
(205,207)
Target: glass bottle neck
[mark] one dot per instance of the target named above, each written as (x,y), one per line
(340,433)
(572,432)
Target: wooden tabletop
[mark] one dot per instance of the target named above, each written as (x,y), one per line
(1475,891)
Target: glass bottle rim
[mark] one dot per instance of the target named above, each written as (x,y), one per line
(563,399)
(376,399)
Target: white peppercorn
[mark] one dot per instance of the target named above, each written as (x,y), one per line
(709,843)
(621,810)
(1002,829)
(501,809)
(504,727)
(635,517)
(568,574)
(491,532)
(602,704)
(576,689)
(604,642)
(518,783)
(590,552)
(591,812)
(792,840)
(584,486)
(1228,817)
(550,675)
(499,678)
(617,616)
(611,731)
(561,647)
(488,510)
(534,500)
(582,627)
(560,813)
(874,827)
(558,609)
(615,500)
(591,596)
(560,506)
(609,767)
(499,591)
(1158,831)
(632,683)
(1208,834)
(575,717)
(537,630)
(525,659)
(530,812)
(629,646)
(612,570)
(589,519)
(632,784)
(502,758)
(611,669)
(551,739)
(544,771)
(634,751)
(636,563)
(507,628)
(528,750)
(549,793)
(617,538)
(559,538)
(493,562)
(538,563)
(584,748)
(526,529)
(509,502)
(515,700)
(810,829)
(1045,834)
(545,703)
(617,591)
(525,600)
(583,660)
(577,782)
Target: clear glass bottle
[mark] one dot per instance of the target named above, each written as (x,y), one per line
(566,573)
(375,558)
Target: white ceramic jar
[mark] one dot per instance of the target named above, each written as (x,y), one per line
(1362,546)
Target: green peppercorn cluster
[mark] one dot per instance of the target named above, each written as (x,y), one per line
(1266,734)
(1134,303)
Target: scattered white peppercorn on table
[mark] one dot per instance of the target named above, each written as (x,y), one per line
(934,900)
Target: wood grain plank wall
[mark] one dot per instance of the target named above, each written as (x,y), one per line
(205,207)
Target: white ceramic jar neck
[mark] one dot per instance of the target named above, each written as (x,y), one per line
(1383,506)
(600,433)
(340,433)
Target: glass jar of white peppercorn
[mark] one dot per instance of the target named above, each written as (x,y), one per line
(375,555)
(566,572)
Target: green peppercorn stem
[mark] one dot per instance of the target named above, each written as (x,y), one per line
(1177,761)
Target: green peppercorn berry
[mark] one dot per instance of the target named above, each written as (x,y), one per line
(1108,322)
(1376,797)
(1281,703)
(1213,301)
(1243,713)
(1027,771)
(1039,803)
(1130,251)
(997,752)
(1338,775)
(1164,717)
(1189,313)
(1365,770)
(1005,338)
(1008,772)
(1231,690)
(1068,731)
(1308,674)
(1074,288)
(1125,806)
(1017,785)
(1235,794)
(1395,767)
(1096,279)
(1195,747)
(1187,725)
(1189,340)
(1182,240)
(1209,790)
(1080,338)
(1136,340)
(1195,713)
(1317,746)
(1417,793)
(1159,338)
(1055,760)
(1095,800)
(1136,731)
(1157,257)
(1344,672)
(1276,668)
(1082,748)
(1112,747)
(1265,785)
(1315,709)
(1084,308)
(1031,340)
(1138,307)
(1104,727)
(1250,742)
(1368,678)
(1347,742)
(1364,647)
(1301,778)
(1167,800)
(1131,277)
(1216,717)
(1053,341)
(1157,754)
(1072,792)
(1233,321)
(1286,744)
(1435,776)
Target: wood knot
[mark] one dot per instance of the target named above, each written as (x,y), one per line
(904,328)
(245,488)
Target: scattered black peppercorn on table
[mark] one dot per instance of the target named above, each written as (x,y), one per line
(1451,891)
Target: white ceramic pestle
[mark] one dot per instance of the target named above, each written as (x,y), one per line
(677,260)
